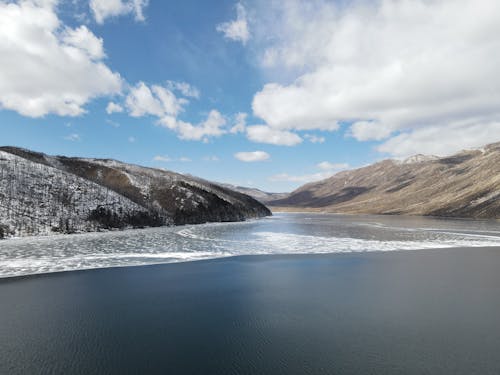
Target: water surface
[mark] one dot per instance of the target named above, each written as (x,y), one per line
(379,313)
(286,233)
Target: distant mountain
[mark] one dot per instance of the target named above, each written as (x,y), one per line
(463,185)
(40,194)
(261,196)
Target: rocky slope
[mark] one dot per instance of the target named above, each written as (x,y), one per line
(260,195)
(463,185)
(40,194)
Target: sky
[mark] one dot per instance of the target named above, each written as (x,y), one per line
(264,93)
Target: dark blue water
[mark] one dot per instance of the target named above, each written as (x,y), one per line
(413,312)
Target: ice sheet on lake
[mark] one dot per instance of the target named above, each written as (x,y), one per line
(282,234)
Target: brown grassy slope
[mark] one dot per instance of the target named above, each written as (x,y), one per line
(463,185)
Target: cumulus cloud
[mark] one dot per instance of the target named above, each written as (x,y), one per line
(240,123)
(85,40)
(47,66)
(395,70)
(213,126)
(103,9)
(238,29)
(161,102)
(252,156)
(369,130)
(327,166)
(113,108)
(327,169)
(314,138)
(184,88)
(442,140)
(156,100)
(266,134)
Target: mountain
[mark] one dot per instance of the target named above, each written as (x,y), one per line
(463,185)
(40,194)
(261,196)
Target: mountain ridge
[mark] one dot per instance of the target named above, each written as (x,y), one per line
(466,184)
(258,194)
(93,194)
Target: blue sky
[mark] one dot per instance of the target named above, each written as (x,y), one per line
(267,94)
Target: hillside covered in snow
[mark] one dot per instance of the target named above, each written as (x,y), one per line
(42,194)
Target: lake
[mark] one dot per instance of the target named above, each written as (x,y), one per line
(285,233)
(291,294)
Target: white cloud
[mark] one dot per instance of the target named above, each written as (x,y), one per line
(184,159)
(161,102)
(238,29)
(252,156)
(73,137)
(156,100)
(131,139)
(369,130)
(314,138)
(113,108)
(213,126)
(86,41)
(327,170)
(184,88)
(103,9)
(385,66)
(240,123)
(266,134)
(46,66)
(291,108)
(327,166)
(442,140)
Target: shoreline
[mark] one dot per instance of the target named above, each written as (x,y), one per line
(277,210)
(281,234)
(123,230)
(248,257)
(320,211)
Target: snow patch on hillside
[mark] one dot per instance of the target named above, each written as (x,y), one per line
(36,199)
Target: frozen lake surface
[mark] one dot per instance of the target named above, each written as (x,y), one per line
(288,233)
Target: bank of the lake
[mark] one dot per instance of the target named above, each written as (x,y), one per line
(412,312)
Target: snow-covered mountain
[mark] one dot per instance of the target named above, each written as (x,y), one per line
(40,194)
